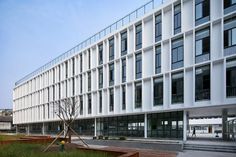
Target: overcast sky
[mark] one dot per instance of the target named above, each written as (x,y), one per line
(33,32)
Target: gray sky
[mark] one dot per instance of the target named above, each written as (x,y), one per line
(33,32)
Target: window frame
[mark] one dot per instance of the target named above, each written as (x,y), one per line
(124,43)
(138,36)
(111,49)
(138,65)
(158,27)
(138,95)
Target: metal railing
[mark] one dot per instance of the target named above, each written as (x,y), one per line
(149,6)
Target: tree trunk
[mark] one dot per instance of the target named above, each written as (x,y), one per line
(69,133)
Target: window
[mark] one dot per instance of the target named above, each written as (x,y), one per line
(89,104)
(100,102)
(138,95)
(177,89)
(177,19)
(177,56)
(138,36)
(123,70)
(230,36)
(89,81)
(231,78)
(138,66)
(89,59)
(111,49)
(81,105)
(158,91)
(100,77)
(202,83)
(111,74)
(202,11)
(158,59)
(123,98)
(158,28)
(66,68)
(124,43)
(81,84)
(81,63)
(111,100)
(73,66)
(202,45)
(100,54)
(229,6)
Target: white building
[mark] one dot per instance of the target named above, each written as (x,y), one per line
(142,76)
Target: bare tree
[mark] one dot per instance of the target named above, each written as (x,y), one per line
(68,111)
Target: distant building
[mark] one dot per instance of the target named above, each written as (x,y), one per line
(6,123)
(5,112)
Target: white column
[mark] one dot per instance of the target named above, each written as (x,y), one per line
(95,127)
(185,126)
(145,125)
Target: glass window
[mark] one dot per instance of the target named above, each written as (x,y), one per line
(230,36)
(158,91)
(89,59)
(138,66)
(123,43)
(100,102)
(177,19)
(233,36)
(229,4)
(231,78)
(81,63)
(123,70)
(177,88)
(158,27)
(202,83)
(100,77)
(202,11)
(138,36)
(111,74)
(81,84)
(123,98)
(81,105)
(158,59)
(111,100)
(100,54)
(138,95)
(89,104)
(177,53)
(111,49)
(202,45)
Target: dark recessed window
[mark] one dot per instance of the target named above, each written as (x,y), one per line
(202,83)
(111,49)
(177,19)
(202,45)
(138,37)
(111,74)
(81,105)
(231,78)
(124,43)
(177,90)
(230,36)
(111,98)
(66,68)
(158,91)
(138,65)
(89,81)
(89,104)
(229,6)
(100,54)
(123,70)
(89,59)
(81,63)
(100,102)
(177,55)
(123,98)
(81,84)
(202,11)
(158,59)
(158,28)
(100,77)
(73,67)
(138,95)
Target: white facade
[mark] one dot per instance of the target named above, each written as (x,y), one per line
(34,98)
